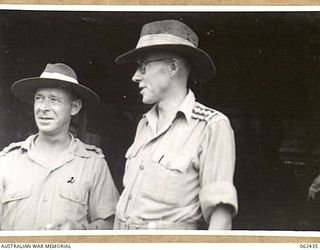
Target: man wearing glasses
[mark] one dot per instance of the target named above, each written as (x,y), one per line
(179,169)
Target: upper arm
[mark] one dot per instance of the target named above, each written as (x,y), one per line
(217,163)
(103,194)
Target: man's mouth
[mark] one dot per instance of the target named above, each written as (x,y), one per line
(44,118)
(141,90)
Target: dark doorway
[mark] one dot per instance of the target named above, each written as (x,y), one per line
(267,83)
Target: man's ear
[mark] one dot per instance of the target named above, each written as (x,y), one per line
(76,107)
(174,66)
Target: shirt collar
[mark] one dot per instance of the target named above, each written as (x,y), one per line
(75,146)
(78,148)
(151,117)
(26,145)
(185,108)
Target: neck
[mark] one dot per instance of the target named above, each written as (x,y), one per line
(53,142)
(167,107)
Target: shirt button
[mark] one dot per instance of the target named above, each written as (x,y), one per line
(45,199)
(141,167)
(12,195)
(130,197)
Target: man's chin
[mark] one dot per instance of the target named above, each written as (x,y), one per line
(45,131)
(148,101)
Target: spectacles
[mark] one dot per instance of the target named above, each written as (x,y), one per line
(141,66)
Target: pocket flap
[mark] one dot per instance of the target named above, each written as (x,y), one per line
(132,151)
(73,194)
(176,160)
(16,193)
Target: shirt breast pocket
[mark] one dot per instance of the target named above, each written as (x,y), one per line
(173,160)
(74,194)
(13,199)
(74,199)
(16,193)
(165,179)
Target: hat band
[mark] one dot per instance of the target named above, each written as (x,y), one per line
(162,39)
(58,76)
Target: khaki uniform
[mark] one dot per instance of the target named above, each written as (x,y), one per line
(175,177)
(35,196)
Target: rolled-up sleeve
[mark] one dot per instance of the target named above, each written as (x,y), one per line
(217,163)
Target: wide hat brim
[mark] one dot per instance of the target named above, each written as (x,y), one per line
(25,89)
(203,68)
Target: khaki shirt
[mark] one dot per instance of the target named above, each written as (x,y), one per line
(34,196)
(181,173)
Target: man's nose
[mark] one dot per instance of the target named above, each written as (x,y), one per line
(137,76)
(45,104)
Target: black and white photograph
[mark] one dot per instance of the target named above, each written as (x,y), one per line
(159,119)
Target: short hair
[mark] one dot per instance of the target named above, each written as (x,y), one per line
(74,96)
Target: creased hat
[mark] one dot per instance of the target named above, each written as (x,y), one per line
(54,76)
(172,35)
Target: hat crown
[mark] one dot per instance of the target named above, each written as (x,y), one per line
(55,75)
(173,36)
(171,27)
(53,70)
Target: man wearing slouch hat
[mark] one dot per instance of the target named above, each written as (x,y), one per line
(52,180)
(179,169)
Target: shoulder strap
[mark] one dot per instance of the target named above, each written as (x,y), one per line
(13,146)
(202,112)
(94,149)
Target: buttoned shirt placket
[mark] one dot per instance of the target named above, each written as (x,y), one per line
(45,202)
(188,167)
(150,136)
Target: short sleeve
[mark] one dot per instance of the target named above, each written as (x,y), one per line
(103,194)
(217,163)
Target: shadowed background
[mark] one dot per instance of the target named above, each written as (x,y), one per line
(267,83)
